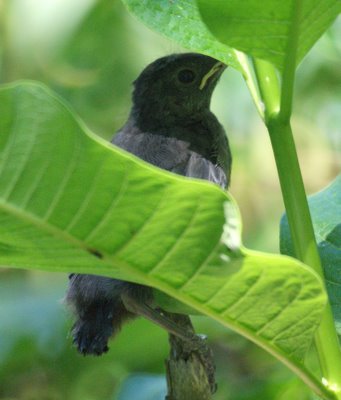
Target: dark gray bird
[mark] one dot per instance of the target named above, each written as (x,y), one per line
(170,126)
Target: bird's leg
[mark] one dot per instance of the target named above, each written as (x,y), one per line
(180,327)
(158,317)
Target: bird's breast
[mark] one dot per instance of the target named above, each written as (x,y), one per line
(172,154)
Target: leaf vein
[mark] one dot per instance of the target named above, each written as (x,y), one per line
(111,206)
(66,177)
(200,267)
(143,225)
(244,295)
(280,312)
(82,207)
(178,241)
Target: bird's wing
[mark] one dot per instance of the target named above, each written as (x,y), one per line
(170,154)
(200,167)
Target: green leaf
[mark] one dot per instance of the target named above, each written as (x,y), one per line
(180,21)
(325,208)
(69,201)
(265,29)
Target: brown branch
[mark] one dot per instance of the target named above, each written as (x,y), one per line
(190,367)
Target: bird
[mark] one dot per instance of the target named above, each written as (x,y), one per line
(170,125)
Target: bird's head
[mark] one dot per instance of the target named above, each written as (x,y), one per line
(175,87)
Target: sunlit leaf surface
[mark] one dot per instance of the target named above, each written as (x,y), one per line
(71,202)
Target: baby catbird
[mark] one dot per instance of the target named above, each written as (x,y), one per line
(171,126)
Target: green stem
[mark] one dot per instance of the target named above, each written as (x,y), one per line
(268,86)
(294,196)
(303,238)
(278,108)
(250,81)
(298,214)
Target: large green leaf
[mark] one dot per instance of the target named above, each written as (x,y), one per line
(265,29)
(69,201)
(180,21)
(325,208)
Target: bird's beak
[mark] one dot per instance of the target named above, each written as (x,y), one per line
(219,66)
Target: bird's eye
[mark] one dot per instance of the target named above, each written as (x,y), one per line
(186,76)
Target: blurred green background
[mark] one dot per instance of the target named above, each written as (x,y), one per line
(89,52)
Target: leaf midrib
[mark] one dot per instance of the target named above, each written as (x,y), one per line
(53,230)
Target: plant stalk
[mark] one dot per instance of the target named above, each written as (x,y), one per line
(268,86)
(305,247)
(278,107)
(250,81)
